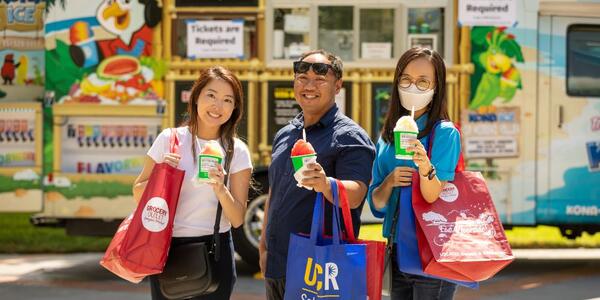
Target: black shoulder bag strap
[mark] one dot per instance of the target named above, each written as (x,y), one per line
(391,238)
(216,244)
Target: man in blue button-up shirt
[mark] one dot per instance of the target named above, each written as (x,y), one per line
(344,152)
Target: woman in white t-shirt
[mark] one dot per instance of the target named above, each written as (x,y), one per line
(215,110)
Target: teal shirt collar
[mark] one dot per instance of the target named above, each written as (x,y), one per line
(422,121)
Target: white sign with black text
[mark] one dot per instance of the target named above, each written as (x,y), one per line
(487,12)
(491,134)
(376,50)
(215,39)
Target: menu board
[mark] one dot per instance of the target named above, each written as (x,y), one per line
(17,138)
(183,92)
(381,94)
(283,106)
(106,145)
(491,135)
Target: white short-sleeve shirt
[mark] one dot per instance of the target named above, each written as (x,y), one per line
(197,207)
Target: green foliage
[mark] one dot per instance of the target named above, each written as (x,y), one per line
(38,79)
(158,66)
(89,189)
(19,236)
(64,72)
(51,3)
(382,95)
(7,184)
(47,140)
(512,49)
(479,33)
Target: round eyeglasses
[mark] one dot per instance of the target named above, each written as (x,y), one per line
(422,84)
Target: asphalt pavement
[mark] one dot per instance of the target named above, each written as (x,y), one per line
(536,274)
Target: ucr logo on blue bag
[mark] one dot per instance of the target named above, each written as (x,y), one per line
(155,215)
(323,267)
(314,277)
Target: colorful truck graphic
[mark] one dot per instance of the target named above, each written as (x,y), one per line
(536,98)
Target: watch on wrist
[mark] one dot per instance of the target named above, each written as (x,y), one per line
(430,174)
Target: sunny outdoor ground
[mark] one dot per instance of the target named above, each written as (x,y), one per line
(521,237)
(17,235)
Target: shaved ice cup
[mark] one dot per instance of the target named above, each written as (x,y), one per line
(401,142)
(301,160)
(206,162)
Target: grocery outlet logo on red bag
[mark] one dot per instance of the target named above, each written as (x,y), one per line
(155,215)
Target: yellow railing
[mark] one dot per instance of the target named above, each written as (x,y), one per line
(458,89)
(258,78)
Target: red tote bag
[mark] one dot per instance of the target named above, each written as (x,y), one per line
(460,235)
(112,260)
(141,248)
(375,249)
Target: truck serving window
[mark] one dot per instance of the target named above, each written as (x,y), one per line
(583,60)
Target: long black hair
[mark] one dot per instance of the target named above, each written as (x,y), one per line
(228,131)
(437,108)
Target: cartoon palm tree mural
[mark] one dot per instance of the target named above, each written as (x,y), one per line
(50,3)
(494,54)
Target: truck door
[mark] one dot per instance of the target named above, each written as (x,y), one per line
(573,126)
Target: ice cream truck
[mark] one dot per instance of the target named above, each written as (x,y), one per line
(532,125)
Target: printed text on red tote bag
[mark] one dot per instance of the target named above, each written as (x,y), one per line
(155,215)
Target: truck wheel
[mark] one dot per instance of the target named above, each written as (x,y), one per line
(247,237)
(571,233)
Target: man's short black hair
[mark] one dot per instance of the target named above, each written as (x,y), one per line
(336,61)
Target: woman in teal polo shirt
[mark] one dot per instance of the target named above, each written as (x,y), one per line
(419,82)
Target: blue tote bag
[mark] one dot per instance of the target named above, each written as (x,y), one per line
(320,267)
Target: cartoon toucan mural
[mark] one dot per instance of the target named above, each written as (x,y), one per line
(130,20)
(494,54)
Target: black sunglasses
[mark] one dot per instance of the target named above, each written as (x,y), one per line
(319,68)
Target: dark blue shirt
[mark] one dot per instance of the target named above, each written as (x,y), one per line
(345,152)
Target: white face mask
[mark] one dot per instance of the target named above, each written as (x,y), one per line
(412,96)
